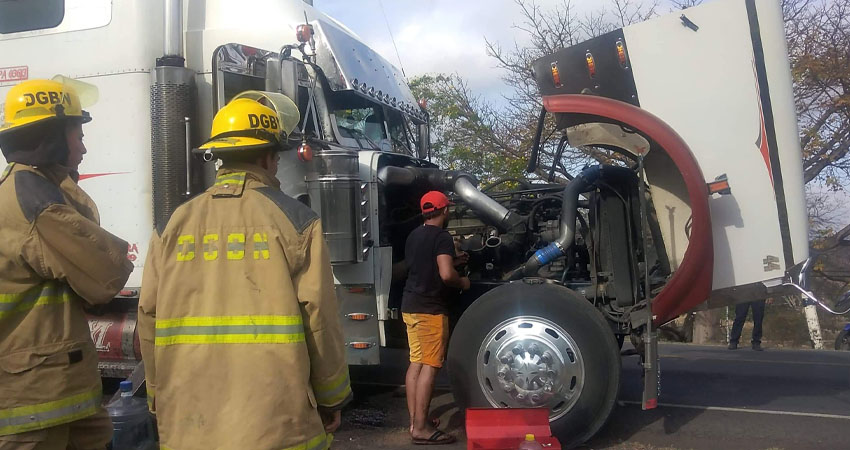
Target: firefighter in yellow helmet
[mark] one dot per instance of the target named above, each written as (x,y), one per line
(55,259)
(238,318)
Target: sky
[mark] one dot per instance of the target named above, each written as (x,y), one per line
(439,36)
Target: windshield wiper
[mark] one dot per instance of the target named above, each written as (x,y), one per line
(363,135)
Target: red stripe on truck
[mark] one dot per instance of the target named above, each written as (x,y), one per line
(85,176)
(761,142)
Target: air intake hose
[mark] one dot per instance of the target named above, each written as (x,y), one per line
(461,183)
(569,208)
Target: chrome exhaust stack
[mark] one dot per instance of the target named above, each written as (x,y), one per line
(172,98)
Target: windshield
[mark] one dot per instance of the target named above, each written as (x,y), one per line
(364,125)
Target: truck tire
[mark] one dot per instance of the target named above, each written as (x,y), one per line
(537,345)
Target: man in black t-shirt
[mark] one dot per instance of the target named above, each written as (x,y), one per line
(430,258)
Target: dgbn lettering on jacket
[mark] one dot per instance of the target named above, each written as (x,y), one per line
(230,247)
(267,121)
(47,98)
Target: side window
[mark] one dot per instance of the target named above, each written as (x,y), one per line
(402,138)
(28,15)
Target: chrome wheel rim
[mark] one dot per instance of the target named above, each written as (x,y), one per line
(530,362)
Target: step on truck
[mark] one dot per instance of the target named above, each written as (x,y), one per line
(705,207)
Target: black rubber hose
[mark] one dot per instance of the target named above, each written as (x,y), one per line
(535,147)
(560,152)
(422,176)
(569,209)
(458,182)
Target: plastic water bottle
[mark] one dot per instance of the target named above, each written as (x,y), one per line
(131,421)
(530,443)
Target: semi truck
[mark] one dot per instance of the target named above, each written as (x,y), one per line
(704,208)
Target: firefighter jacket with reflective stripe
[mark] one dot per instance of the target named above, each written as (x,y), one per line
(239,322)
(54,259)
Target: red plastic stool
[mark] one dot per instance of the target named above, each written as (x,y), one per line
(505,428)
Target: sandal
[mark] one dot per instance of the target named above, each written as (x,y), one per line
(438,438)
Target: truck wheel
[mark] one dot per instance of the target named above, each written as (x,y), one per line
(537,346)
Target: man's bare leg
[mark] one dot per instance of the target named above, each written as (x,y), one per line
(410,382)
(422,427)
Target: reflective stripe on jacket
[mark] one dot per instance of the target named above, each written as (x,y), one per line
(47,293)
(48,414)
(54,259)
(230,330)
(239,322)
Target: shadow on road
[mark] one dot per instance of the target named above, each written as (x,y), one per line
(628,421)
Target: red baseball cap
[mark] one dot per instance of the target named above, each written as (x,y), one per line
(433,200)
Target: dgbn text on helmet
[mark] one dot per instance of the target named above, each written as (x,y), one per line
(45,98)
(267,121)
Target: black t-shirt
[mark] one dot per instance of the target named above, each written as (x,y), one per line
(423,292)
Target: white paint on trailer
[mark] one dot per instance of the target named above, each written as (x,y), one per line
(115,55)
(785,118)
(703,84)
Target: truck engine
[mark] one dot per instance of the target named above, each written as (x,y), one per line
(573,235)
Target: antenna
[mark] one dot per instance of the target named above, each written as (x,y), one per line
(392,38)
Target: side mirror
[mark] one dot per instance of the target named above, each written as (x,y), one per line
(424,147)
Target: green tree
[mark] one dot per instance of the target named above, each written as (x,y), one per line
(467,133)
(470,134)
(818,33)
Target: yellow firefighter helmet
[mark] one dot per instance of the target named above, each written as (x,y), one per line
(246,124)
(36,101)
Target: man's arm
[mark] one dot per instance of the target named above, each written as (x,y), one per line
(446,253)
(449,274)
(314,284)
(147,316)
(65,245)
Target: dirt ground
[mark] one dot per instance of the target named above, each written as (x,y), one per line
(378,420)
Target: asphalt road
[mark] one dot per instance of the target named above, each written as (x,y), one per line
(711,398)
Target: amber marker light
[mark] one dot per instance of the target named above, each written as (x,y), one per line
(621,54)
(358,316)
(305,152)
(360,345)
(556,75)
(591,65)
(304,33)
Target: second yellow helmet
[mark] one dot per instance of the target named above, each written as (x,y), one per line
(246,124)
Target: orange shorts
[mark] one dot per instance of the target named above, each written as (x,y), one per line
(428,336)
